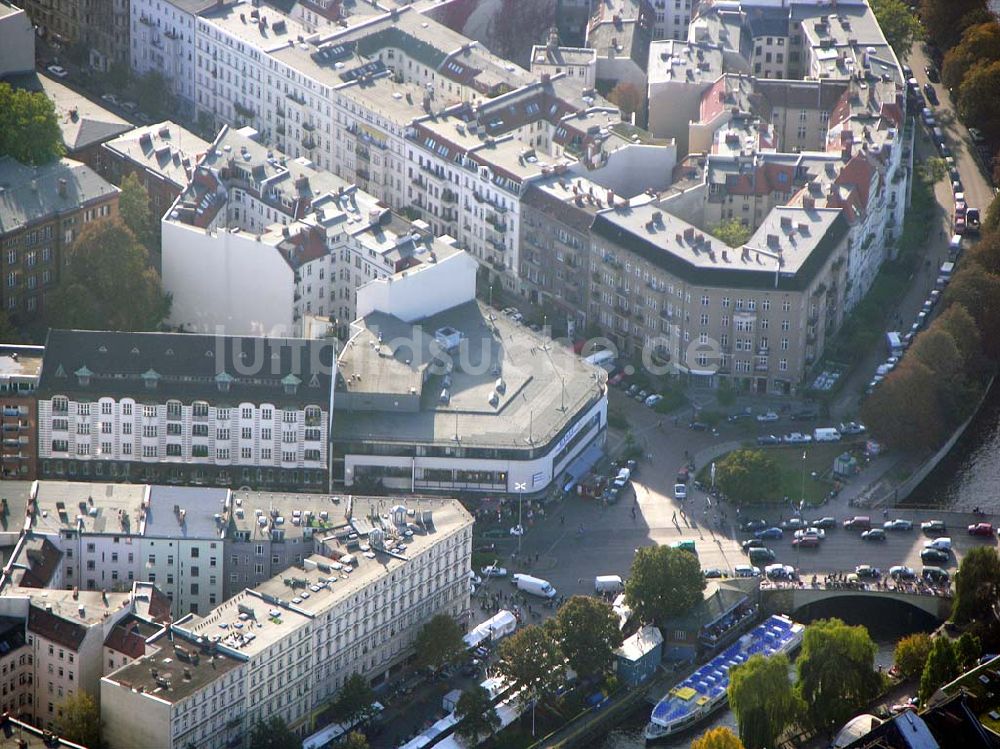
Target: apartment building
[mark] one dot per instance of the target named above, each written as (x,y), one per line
(17,40)
(258,242)
(579,63)
(161,156)
(621,36)
(289,644)
(679,74)
(20,367)
(57,20)
(43,210)
(185,408)
(101,25)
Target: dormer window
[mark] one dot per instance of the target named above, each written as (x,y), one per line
(151,378)
(291,384)
(223,380)
(83,376)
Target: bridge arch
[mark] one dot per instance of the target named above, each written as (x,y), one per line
(874,609)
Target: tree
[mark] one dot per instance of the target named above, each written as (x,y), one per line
(587,631)
(353,703)
(836,671)
(664,583)
(900,26)
(29,127)
(79,720)
(979,292)
(732,232)
(354,740)
(911,654)
(977,585)
(941,667)
(934,169)
(717,738)
(530,659)
(979,44)
(889,411)
(747,476)
(978,105)
(153,94)
(763,700)
(944,20)
(133,205)
(937,350)
(962,327)
(628,98)
(108,283)
(8,333)
(439,642)
(968,648)
(273,734)
(477,715)
(986,252)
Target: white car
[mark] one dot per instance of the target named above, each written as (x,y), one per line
(58,71)
(474,578)
(653,400)
(680,491)
(811,531)
(767,417)
(110,99)
(902,572)
(780,571)
(796,438)
(851,427)
(517,530)
(494,571)
(898,525)
(745,570)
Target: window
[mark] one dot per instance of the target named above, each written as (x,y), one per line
(785,325)
(246,453)
(173,450)
(265,414)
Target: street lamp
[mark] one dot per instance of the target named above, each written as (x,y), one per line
(519,487)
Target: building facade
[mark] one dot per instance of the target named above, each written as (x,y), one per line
(17,40)
(20,367)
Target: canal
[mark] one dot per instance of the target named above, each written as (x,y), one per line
(887,621)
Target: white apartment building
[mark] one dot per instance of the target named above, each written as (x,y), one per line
(288,645)
(163,39)
(185,408)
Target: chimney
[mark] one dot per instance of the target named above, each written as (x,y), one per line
(808,202)
(62,188)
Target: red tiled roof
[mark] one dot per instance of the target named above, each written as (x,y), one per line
(125,638)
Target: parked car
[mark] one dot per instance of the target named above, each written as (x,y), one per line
(770,533)
(58,71)
(780,571)
(902,572)
(632,390)
(931,94)
(680,491)
(934,556)
(805,415)
(768,439)
(981,529)
(818,533)
(943,543)
(110,99)
(824,522)
(933,526)
(806,542)
(752,526)
(653,400)
(866,570)
(768,417)
(746,570)
(935,575)
(713,573)
(517,530)
(494,571)
(858,521)
(698,426)
(752,543)
(932,73)
(873,534)
(129,106)
(761,555)
(796,438)
(792,524)
(898,525)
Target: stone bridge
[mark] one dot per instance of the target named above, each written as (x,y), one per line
(788,600)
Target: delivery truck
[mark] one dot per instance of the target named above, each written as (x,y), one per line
(533,585)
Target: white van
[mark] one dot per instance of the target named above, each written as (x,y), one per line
(826,434)
(942,544)
(601,358)
(534,585)
(608,584)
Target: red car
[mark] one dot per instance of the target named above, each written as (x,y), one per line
(806,542)
(981,529)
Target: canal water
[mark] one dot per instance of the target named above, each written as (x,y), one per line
(886,623)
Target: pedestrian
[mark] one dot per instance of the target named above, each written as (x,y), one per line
(562,520)
(633,513)
(537,555)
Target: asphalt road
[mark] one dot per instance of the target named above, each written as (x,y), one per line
(570,560)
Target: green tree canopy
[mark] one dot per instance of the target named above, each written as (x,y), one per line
(354,740)
(889,411)
(732,232)
(945,20)
(273,734)
(108,283)
(439,642)
(717,738)
(531,659)
(477,715)
(763,700)
(978,104)
(977,585)
(911,654)
(664,583)
(748,476)
(979,44)
(968,648)
(836,671)
(941,667)
(133,205)
(354,700)
(79,720)
(587,631)
(153,94)
(899,24)
(29,128)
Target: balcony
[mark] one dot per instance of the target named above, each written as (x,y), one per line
(449,196)
(308,127)
(279,129)
(279,112)
(308,142)
(243,111)
(364,154)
